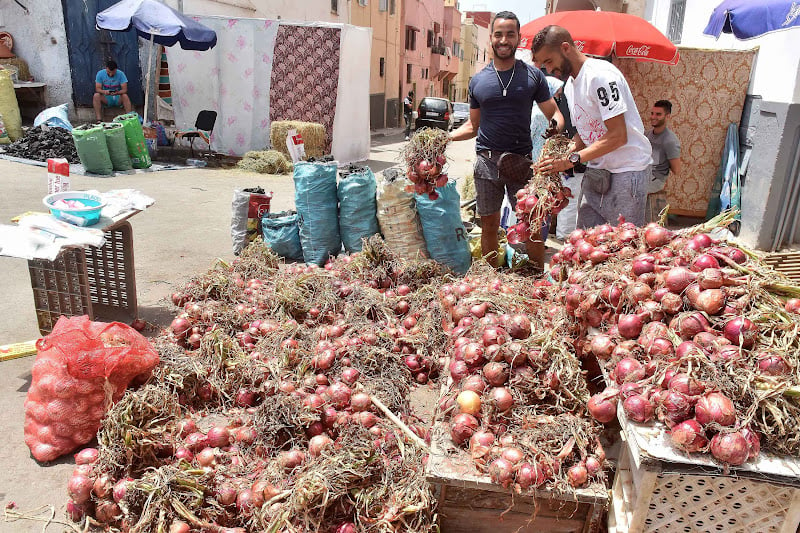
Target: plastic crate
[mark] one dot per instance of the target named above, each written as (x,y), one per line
(661,496)
(98,282)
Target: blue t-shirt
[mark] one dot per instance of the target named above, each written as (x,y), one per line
(506,120)
(111,83)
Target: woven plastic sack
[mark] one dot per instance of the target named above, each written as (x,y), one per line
(134,137)
(3,133)
(247,209)
(117,147)
(9,107)
(445,236)
(318,207)
(80,370)
(397,215)
(357,208)
(90,143)
(282,234)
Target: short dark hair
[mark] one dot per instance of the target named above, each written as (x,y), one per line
(111,64)
(410,93)
(666,105)
(508,15)
(551,36)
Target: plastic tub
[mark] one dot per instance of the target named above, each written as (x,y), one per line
(79,216)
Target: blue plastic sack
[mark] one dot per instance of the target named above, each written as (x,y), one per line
(57,116)
(445,236)
(357,208)
(318,208)
(282,234)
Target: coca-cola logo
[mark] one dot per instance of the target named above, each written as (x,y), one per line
(638,51)
(579,45)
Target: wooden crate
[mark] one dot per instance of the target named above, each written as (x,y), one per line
(787,263)
(658,489)
(470,502)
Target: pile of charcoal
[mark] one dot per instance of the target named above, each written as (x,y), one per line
(42,143)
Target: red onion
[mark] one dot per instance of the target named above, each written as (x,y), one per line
(629,326)
(602,346)
(360,401)
(628,370)
(195,441)
(773,365)
(347,527)
(493,335)
(676,279)
(473,354)
(184,454)
(660,348)
(501,471)
(593,466)
(689,436)
(603,406)
(317,444)
(528,475)
(689,325)
(638,408)
(502,399)
(474,383)
(709,301)
(642,266)
(218,437)
(76,511)
(339,394)
(365,418)
(630,388)
(180,326)
(730,448)
(519,326)
(792,305)
(496,374)
(513,455)
(480,443)
(463,427)
(206,457)
(577,475)
(711,278)
(704,261)
(291,459)
(753,441)
(79,488)
(107,512)
(87,456)
(741,332)
(225,494)
(671,304)
(686,385)
(676,405)
(103,486)
(657,236)
(185,427)
(459,370)
(715,407)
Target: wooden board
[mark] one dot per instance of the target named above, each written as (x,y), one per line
(788,263)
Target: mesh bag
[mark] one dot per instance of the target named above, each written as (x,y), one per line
(81,368)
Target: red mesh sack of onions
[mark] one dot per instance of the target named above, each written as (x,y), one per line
(425,161)
(544,195)
(81,368)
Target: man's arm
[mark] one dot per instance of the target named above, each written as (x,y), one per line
(469,129)
(675,166)
(98,88)
(615,137)
(123,88)
(550,110)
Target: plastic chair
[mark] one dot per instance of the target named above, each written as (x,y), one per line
(203,127)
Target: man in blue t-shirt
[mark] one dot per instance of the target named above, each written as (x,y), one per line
(501,100)
(111,90)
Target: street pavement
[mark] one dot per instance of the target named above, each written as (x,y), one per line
(182,234)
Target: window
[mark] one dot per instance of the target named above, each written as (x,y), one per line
(411,38)
(408,73)
(362,2)
(391,7)
(382,67)
(383,5)
(430,38)
(677,9)
(335,6)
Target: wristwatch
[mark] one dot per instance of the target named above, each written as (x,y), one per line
(574,158)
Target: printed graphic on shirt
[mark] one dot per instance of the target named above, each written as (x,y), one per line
(591,127)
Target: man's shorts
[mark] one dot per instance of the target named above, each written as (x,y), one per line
(490,187)
(113,100)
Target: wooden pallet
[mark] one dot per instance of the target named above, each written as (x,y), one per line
(787,263)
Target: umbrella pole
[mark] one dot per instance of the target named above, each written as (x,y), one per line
(149,69)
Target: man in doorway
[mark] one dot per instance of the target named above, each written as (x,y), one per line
(610,138)
(501,99)
(665,144)
(111,90)
(408,112)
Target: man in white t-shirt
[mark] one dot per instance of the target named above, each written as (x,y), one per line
(610,138)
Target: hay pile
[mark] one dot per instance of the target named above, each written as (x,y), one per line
(265,162)
(314,136)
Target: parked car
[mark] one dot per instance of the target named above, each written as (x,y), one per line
(460,113)
(434,113)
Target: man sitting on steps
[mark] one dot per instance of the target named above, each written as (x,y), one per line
(111,90)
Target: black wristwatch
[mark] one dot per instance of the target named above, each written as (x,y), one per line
(574,158)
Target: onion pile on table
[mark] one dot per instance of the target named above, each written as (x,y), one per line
(692,333)
(424,157)
(517,394)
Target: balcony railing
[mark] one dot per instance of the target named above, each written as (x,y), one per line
(441,50)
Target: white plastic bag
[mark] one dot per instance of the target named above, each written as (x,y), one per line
(57,116)
(568,217)
(296,146)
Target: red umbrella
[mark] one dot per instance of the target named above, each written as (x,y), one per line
(602,33)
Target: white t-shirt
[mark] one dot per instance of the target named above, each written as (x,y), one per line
(599,93)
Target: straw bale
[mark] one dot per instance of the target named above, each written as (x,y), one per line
(265,162)
(314,136)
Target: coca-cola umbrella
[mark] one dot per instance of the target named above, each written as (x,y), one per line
(159,24)
(605,33)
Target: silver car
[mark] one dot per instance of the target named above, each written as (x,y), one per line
(460,113)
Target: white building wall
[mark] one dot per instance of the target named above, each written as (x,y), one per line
(776,71)
(40,39)
(288,10)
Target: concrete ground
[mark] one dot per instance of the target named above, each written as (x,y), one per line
(186,230)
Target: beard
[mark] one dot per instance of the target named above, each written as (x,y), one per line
(565,70)
(504,55)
